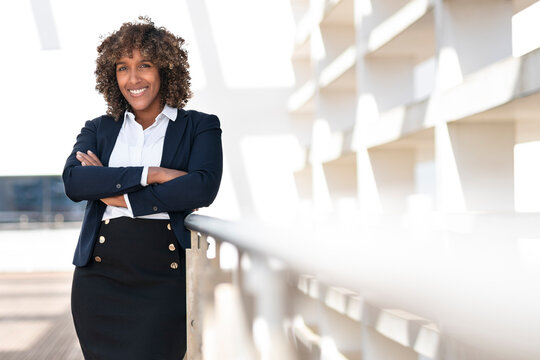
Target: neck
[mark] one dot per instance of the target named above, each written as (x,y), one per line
(146,117)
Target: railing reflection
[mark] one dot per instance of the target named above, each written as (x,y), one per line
(372,293)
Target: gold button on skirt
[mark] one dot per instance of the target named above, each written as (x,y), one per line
(130,302)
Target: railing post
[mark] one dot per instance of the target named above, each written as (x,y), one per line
(195,258)
(227,334)
(267,283)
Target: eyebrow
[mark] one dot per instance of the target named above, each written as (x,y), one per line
(123,62)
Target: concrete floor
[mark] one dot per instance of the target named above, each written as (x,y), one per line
(35,317)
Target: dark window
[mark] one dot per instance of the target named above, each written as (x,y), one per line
(36,199)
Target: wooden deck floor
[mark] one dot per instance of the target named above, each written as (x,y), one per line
(35,317)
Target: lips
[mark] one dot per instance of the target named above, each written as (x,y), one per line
(137,92)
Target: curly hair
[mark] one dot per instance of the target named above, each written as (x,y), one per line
(159,45)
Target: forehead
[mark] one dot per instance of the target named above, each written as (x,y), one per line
(134,55)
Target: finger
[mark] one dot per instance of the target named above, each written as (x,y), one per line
(95,158)
(82,157)
(92,160)
(79,156)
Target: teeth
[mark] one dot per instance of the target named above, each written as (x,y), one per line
(138,91)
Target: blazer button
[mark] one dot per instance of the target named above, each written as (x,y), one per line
(118,186)
(155,208)
(174,265)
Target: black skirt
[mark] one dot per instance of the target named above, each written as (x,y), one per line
(130,301)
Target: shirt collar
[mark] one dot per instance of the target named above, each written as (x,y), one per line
(167,112)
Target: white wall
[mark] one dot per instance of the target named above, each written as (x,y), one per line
(240,64)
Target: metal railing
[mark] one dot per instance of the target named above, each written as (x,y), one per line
(371,292)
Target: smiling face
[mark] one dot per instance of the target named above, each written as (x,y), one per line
(139,82)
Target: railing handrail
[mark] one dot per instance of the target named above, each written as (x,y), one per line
(474,287)
(240,235)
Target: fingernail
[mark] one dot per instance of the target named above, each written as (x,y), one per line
(83,164)
(89,152)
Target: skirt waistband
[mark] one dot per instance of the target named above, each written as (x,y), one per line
(127,220)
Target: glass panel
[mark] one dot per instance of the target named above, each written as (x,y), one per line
(36,199)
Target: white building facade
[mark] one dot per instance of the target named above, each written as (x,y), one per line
(413,126)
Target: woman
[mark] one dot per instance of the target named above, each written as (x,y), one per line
(141,168)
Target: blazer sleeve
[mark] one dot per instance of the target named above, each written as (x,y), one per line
(196,189)
(96,182)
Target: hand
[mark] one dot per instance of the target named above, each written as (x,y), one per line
(88,159)
(160,175)
(118,201)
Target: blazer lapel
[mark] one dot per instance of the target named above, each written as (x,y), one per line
(109,134)
(173,135)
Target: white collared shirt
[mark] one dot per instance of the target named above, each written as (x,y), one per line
(137,147)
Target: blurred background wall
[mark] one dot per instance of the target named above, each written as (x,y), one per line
(239,52)
(351,110)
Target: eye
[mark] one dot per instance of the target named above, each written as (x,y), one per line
(145,65)
(121,68)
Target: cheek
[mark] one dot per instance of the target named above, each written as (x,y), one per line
(157,80)
(122,91)
(119,82)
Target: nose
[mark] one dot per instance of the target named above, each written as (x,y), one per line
(133,77)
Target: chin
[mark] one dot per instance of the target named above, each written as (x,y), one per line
(137,107)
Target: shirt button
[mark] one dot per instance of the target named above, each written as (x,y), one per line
(174,265)
(155,208)
(172,247)
(98,259)
(107,221)
(169,226)
(118,186)
(101,239)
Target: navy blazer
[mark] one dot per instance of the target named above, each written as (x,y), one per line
(192,144)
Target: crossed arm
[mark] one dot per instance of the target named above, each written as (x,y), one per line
(168,190)
(156,175)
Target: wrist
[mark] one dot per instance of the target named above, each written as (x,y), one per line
(120,201)
(154,175)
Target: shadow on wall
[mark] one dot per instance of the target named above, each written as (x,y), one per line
(245,113)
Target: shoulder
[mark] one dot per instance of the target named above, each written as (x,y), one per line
(97,122)
(200,121)
(197,116)
(102,124)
